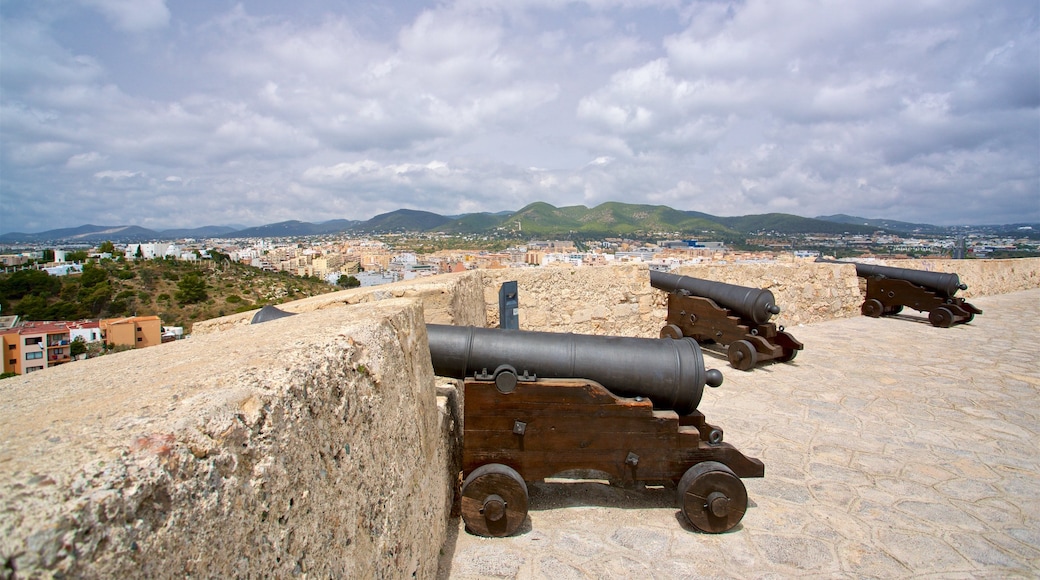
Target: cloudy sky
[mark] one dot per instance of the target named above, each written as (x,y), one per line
(213,112)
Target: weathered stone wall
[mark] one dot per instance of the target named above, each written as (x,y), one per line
(314,444)
(446,299)
(311,445)
(609,300)
(983,277)
(619,299)
(806,291)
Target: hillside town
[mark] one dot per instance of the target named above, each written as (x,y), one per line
(35,345)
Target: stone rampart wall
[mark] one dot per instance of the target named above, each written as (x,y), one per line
(446,299)
(315,444)
(605,300)
(619,300)
(806,291)
(983,277)
(309,445)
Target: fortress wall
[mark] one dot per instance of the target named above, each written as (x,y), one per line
(446,299)
(314,444)
(619,299)
(805,290)
(311,445)
(605,300)
(983,277)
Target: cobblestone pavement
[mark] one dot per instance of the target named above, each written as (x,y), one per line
(892,449)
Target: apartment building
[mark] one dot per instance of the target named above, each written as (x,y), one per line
(133,331)
(34,346)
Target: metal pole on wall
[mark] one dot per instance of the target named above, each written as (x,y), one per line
(508,306)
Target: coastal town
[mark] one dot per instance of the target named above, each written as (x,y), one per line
(375,260)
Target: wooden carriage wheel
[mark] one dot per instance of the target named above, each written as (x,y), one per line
(494,500)
(742,355)
(712,497)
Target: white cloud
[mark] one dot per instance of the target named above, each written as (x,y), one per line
(261,113)
(132,15)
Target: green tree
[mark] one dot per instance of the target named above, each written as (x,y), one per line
(219,257)
(77,256)
(95,298)
(32,307)
(92,276)
(25,282)
(191,289)
(107,247)
(77,347)
(347,281)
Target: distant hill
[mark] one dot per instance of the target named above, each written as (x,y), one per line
(198,233)
(87,233)
(476,223)
(783,223)
(891,225)
(612,218)
(402,220)
(538,219)
(294,228)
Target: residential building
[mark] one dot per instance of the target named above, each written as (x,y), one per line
(34,346)
(132,331)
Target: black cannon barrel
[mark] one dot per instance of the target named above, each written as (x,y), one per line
(669,372)
(753,303)
(946,283)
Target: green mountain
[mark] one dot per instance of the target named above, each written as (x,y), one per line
(538,219)
(476,223)
(611,219)
(892,225)
(402,220)
(783,223)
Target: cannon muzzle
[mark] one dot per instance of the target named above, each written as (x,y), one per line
(751,303)
(669,372)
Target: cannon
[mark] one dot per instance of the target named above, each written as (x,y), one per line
(539,404)
(736,317)
(889,289)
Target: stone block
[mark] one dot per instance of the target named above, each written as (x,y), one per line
(308,445)
(446,299)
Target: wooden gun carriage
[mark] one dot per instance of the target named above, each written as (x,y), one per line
(734,316)
(623,406)
(889,289)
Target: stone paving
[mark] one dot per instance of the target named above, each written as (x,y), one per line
(892,449)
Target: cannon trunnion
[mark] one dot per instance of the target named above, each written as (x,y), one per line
(538,404)
(890,289)
(733,316)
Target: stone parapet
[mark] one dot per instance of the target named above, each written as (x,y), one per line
(806,291)
(605,300)
(317,444)
(983,277)
(308,445)
(446,299)
(619,300)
